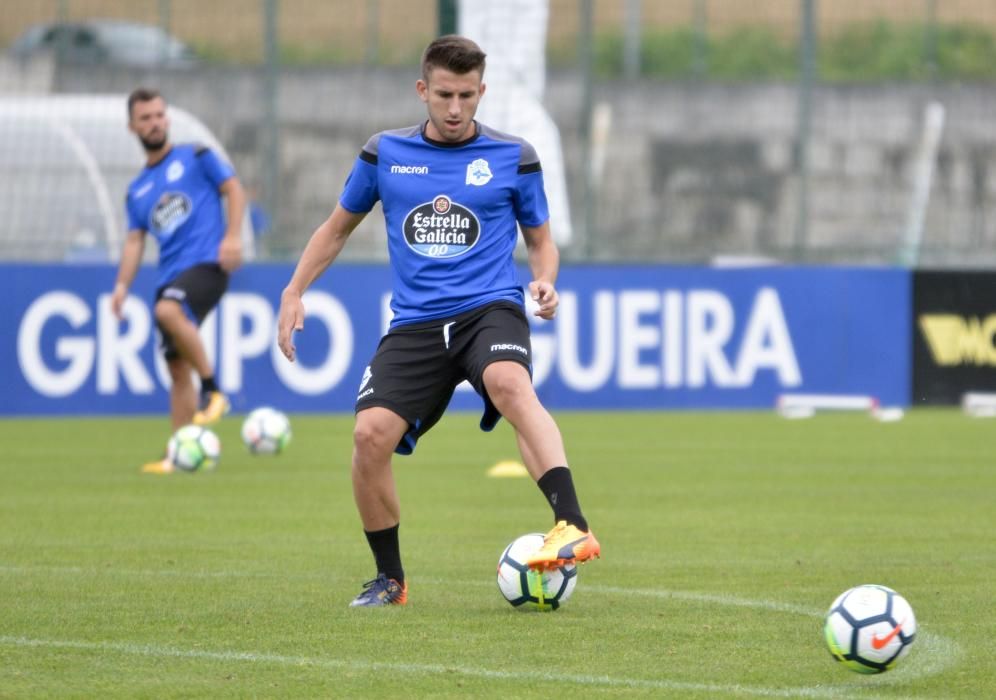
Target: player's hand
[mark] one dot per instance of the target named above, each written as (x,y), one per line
(290,319)
(546,296)
(230,253)
(118,299)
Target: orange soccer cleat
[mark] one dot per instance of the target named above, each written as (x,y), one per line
(160,466)
(213,406)
(564,544)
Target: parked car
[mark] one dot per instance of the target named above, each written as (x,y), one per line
(103,41)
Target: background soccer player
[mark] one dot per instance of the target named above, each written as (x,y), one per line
(452,191)
(177,197)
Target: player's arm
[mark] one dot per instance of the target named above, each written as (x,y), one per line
(230,252)
(544,261)
(324,247)
(131,258)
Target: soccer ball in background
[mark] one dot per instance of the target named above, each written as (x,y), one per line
(869,628)
(266,431)
(533,590)
(193,448)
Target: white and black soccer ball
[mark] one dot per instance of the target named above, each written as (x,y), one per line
(533,590)
(194,448)
(266,431)
(869,628)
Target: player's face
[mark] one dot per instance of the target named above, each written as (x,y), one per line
(451,99)
(150,124)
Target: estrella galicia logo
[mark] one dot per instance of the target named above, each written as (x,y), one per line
(172,209)
(441,228)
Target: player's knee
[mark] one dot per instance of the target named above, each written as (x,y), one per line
(166,312)
(506,389)
(370,440)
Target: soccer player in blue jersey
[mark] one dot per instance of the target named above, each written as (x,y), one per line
(178,199)
(453,192)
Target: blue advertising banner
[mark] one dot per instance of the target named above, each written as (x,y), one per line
(625,337)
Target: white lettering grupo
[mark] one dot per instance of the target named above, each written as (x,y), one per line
(116,348)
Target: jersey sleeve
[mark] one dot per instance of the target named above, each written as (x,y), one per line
(216,169)
(529,197)
(360,192)
(135,222)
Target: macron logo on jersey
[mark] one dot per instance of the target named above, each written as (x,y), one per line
(498,347)
(409,169)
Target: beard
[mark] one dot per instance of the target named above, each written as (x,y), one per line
(154,143)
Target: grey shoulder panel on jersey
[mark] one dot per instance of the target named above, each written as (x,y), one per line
(529,161)
(371,147)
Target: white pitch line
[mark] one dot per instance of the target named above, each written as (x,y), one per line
(157,651)
(717,599)
(936,653)
(931,655)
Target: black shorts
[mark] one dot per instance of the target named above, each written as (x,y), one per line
(197,289)
(417,367)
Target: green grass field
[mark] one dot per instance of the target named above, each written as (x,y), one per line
(725,537)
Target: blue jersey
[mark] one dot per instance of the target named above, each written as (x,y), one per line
(177,201)
(451,213)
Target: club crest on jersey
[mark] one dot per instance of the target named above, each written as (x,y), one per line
(174,172)
(441,228)
(479,173)
(172,209)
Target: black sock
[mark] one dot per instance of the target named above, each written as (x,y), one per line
(208,384)
(558,487)
(387,552)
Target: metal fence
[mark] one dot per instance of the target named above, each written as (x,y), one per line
(393,32)
(691,129)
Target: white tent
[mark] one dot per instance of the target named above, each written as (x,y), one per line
(65,165)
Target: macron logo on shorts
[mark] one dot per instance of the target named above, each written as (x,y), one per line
(498,347)
(174,293)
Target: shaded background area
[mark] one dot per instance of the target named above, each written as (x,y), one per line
(692,130)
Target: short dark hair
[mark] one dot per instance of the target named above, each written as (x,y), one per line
(141,95)
(454,53)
